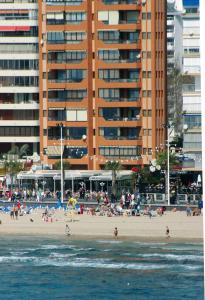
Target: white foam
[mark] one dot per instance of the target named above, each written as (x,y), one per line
(174,256)
(109,242)
(61,255)
(99,263)
(16,258)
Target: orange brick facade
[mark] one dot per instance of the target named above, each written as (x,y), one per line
(103,75)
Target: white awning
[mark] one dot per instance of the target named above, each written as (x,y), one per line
(101,178)
(54,150)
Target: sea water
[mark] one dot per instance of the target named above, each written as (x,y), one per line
(34,268)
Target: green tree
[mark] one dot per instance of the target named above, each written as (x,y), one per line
(146,177)
(162,160)
(113,166)
(57,165)
(175,99)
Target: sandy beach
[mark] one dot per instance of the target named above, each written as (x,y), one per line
(87,226)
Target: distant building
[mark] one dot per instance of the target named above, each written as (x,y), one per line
(19,92)
(192,83)
(174,34)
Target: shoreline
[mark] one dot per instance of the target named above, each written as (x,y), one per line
(74,237)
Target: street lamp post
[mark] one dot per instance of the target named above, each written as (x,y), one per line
(61,140)
(168,126)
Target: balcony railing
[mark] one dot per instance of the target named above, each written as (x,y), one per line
(121,79)
(189,88)
(68,80)
(113,2)
(118,118)
(120,41)
(64,2)
(122,138)
(65,100)
(69,61)
(57,137)
(120,60)
(122,99)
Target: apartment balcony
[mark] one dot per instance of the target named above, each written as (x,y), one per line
(19,5)
(19,89)
(19,122)
(122,5)
(19,106)
(170,34)
(189,88)
(122,138)
(82,26)
(118,45)
(123,122)
(18,39)
(64,3)
(117,2)
(120,41)
(67,85)
(192,69)
(77,64)
(119,141)
(65,45)
(118,83)
(122,25)
(170,22)
(20,139)
(119,102)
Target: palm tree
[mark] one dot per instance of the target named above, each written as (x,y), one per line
(162,160)
(23,150)
(13,168)
(113,166)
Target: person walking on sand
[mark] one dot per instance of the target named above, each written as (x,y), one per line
(116,232)
(167,232)
(67,230)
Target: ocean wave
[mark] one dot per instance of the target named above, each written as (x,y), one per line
(51,247)
(17,258)
(189,267)
(16,253)
(61,255)
(174,256)
(69,260)
(151,244)
(99,263)
(108,242)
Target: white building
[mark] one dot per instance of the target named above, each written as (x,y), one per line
(192,87)
(19,115)
(174,34)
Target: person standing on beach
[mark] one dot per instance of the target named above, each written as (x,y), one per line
(116,232)
(67,230)
(167,232)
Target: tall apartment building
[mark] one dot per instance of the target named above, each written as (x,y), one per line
(192,87)
(102,75)
(19,98)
